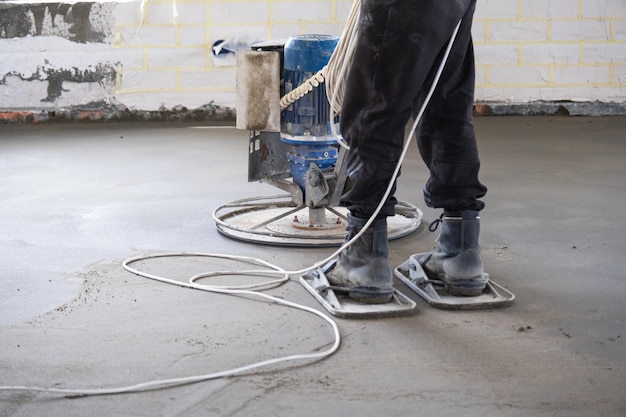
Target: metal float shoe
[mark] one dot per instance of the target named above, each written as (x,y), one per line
(360,281)
(338,302)
(452,275)
(434,293)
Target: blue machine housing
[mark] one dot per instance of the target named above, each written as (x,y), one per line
(305,124)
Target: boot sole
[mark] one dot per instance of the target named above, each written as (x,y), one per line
(370,295)
(467,287)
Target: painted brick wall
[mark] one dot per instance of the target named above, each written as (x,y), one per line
(530,50)
(526,50)
(174,40)
(157,53)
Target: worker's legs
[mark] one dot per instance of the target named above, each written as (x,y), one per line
(446,139)
(400,44)
(447,144)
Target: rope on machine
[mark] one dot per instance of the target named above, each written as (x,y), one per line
(332,74)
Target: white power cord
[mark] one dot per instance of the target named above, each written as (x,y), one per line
(172,382)
(338,65)
(248,290)
(303,89)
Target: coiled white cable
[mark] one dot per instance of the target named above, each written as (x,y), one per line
(303,89)
(228,290)
(338,66)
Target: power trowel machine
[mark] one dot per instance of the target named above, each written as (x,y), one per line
(292,148)
(282,102)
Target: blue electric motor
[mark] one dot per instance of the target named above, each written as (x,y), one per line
(305,124)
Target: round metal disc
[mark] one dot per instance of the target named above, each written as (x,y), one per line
(276,220)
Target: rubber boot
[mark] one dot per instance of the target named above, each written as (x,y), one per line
(363,269)
(456,260)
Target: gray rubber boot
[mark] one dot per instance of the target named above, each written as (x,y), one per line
(456,260)
(363,270)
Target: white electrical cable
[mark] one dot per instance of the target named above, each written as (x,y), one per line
(338,65)
(303,89)
(245,290)
(172,382)
(341,59)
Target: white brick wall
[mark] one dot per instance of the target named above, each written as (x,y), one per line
(508,31)
(181,58)
(603,8)
(296,11)
(147,36)
(559,9)
(547,53)
(193,36)
(520,76)
(240,13)
(508,55)
(526,50)
(580,30)
(620,75)
(190,13)
(604,53)
(147,80)
(497,9)
(576,75)
(567,50)
(160,13)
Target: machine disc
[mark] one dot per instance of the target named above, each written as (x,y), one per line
(276,220)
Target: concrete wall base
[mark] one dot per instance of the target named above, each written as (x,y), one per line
(550,108)
(102,112)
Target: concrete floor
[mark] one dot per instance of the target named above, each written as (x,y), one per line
(79,199)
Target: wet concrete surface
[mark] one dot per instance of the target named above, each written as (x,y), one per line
(79,199)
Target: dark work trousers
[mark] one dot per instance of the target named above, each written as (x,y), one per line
(400,46)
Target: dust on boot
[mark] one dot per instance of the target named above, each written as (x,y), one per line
(363,270)
(456,260)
